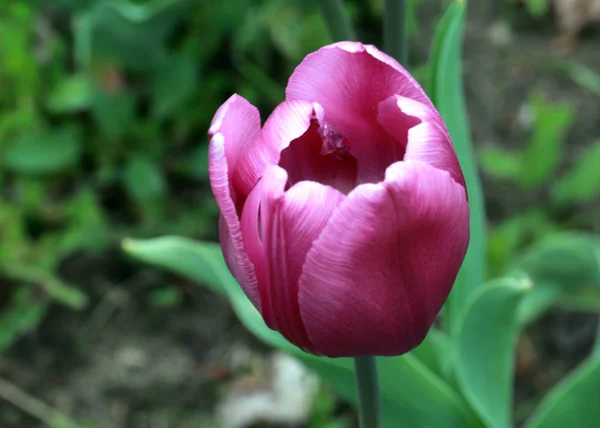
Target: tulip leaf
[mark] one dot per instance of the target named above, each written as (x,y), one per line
(485,349)
(447,93)
(573,402)
(425,401)
(582,183)
(562,267)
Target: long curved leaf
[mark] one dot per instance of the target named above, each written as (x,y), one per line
(486,343)
(446,92)
(575,402)
(412,394)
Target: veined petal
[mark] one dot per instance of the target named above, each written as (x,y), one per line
(340,77)
(288,121)
(238,122)
(259,213)
(381,269)
(428,141)
(301,215)
(230,234)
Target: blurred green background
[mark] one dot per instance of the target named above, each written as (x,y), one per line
(104,109)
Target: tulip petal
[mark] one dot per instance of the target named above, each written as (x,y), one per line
(428,141)
(298,220)
(288,121)
(235,124)
(381,269)
(340,78)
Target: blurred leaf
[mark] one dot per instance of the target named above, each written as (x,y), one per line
(446,91)
(143,179)
(544,150)
(486,343)
(261,81)
(537,302)
(568,259)
(582,182)
(428,402)
(57,289)
(88,228)
(166,297)
(573,402)
(196,163)
(560,266)
(114,112)
(40,152)
(173,84)
(582,75)
(133,34)
(500,163)
(537,8)
(22,313)
(510,235)
(72,94)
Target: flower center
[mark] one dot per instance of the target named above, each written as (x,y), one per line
(323,155)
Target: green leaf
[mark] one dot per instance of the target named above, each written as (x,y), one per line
(166,297)
(562,267)
(433,353)
(537,8)
(501,163)
(133,34)
(571,260)
(509,236)
(582,182)
(114,113)
(22,313)
(174,83)
(143,179)
(72,94)
(429,401)
(39,152)
(544,149)
(446,91)
(486,349)
(573,403)
(58,290)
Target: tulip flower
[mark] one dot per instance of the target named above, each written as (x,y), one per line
(345,217)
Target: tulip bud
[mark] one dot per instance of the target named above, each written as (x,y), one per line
(345,218)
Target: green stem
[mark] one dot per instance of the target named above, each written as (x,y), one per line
(337,20)
(395,36)
(368,391)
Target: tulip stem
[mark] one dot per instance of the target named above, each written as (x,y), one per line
(365,369)
(337,20)
(395,37)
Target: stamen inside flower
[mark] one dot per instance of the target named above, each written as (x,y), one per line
(323,155)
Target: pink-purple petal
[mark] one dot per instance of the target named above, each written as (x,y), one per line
(428,140)
(381,269)
(301,215)
(229,223)
(288,121)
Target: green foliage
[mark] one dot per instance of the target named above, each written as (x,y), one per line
(574,402)
(582,182)
(537,162)
(537,8)
(485,349)
(429,400)
(446,92)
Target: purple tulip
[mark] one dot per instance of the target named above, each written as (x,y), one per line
(345,218)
